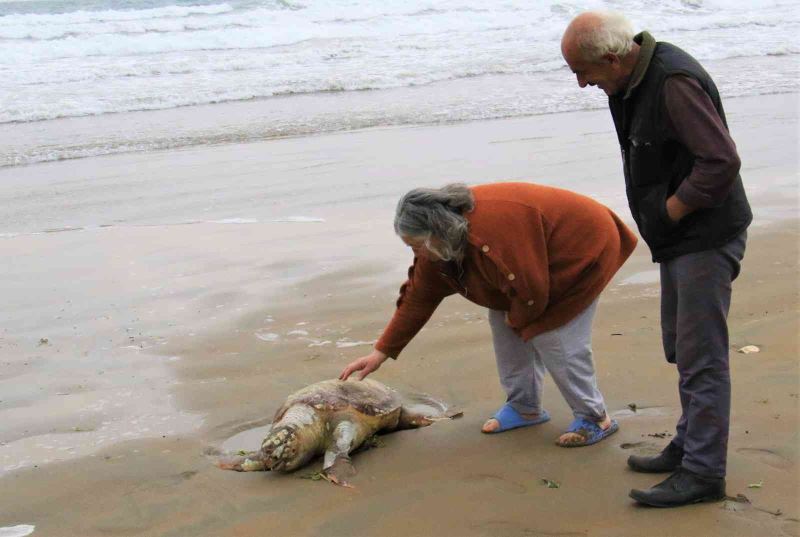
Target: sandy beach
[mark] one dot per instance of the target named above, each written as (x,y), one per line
(156,305)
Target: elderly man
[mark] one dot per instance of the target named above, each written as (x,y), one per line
(684,190)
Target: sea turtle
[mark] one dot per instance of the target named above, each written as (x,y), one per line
(333,418)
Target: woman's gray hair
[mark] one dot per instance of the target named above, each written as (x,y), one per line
(436,213)
(613,35)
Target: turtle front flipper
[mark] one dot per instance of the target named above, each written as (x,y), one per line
(340,470)
(420,410)
(337,466)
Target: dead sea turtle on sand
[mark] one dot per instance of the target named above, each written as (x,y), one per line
(333,418)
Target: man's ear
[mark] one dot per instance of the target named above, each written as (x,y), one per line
(610,58)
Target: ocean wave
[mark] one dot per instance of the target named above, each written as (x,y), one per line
(346,120)
(175,19)
(257,27)
(25,33)
(230,36)
(240,92)
(39,154)
(83,16)
(95,58)
(221,27)
(54,91)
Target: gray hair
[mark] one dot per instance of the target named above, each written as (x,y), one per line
(436,213)
(613,35)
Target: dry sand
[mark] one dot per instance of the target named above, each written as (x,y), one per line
(163,341)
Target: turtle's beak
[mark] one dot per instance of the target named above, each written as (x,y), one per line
(276,465)
(252,462)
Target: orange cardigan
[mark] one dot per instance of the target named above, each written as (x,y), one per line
(540,253)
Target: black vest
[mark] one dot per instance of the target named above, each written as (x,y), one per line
(655,164)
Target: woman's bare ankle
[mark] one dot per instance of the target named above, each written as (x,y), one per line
(605,423)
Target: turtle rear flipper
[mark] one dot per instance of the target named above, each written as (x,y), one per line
(420,410)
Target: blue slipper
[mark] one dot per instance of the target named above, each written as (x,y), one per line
(508,418)
(591,432)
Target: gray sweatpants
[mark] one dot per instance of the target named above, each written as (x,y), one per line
(695,298)
(565,352)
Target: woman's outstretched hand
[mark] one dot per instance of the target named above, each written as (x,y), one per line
(366,364)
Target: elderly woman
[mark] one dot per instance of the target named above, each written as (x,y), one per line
(538,258)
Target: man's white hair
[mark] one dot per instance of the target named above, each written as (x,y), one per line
(613,35)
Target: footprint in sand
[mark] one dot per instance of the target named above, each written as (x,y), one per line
(642,448)
(645,412)
(791,528)
(501,527)
(766,456)
(498,483)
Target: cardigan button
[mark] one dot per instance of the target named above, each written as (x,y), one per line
(511,277)
(530,302)
(485,248)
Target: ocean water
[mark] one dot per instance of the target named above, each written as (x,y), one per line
(81,78)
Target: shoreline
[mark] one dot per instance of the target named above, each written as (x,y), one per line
(316,177)
(437,104)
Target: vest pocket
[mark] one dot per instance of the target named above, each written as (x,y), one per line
(644,161)
(656,226)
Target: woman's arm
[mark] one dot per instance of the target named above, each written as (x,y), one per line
(419,297)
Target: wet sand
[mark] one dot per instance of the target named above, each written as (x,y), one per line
(130,352)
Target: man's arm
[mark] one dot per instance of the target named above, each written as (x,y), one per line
(696,124)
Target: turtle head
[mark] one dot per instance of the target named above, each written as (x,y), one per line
(246,462)
(283,449)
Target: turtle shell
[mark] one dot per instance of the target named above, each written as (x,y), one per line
(368,397)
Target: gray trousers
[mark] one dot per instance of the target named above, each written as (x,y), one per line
(565,352)
(695,299)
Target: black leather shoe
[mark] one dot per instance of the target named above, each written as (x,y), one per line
(683,487)
(668,460)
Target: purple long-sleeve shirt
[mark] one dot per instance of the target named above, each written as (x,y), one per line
(695,123)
